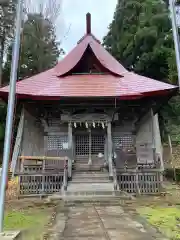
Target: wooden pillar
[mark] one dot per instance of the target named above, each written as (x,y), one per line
(90,148)
(158,143)
(70,150)
(109,141)
(152,129)
(105,151)
(43,175)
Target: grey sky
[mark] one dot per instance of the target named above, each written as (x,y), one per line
(73,18)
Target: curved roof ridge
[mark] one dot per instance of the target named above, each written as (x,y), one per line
(81,39)
(103,56)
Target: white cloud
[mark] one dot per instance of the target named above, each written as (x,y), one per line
(74,16)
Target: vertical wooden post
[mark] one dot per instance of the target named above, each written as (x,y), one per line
(22,165)
(109,139)
(152,129)
(73,150)
(90,148)
(171,156)
(105,151)
(70,150)
(137,183)
(43,176)
(65,175)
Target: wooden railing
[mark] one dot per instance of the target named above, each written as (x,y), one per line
(48,176)
(40,183)
(140,181)
(142,175)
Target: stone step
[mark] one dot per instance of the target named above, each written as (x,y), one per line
(96,195)
(77,180)
(71,200)
(101,197)
(90,177)
(110,198)
(86,164)
(90,187)
(89,193)
(91,174)
(85,167)
(86,161)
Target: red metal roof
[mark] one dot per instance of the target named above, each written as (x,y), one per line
(47,84)
(104,57)
(56,83)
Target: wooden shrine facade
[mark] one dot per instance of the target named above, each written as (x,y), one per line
(120,135)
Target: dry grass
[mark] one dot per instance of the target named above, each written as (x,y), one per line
(13,189)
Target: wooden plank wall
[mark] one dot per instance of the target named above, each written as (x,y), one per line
(33,137)
(145,132)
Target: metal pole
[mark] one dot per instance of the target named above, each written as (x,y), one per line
(175,36)
(10,111)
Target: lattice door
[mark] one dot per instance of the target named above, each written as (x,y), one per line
(82,145)
(97,144)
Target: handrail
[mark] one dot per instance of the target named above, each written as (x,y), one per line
(18,142)
(41,158)
(65,178)
(116,185)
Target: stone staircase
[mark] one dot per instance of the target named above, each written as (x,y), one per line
(91,183)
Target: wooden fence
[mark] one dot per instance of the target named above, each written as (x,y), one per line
(140,182)
(46,177)
(40,183)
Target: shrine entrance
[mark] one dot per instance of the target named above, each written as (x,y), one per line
(90,144)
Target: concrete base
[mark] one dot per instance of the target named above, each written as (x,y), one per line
(10,235)
(90,162)
(69,178)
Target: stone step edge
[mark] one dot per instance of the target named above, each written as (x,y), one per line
(89,198)
(90,181)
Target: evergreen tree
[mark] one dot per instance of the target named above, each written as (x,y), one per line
(140,36)
(7,18)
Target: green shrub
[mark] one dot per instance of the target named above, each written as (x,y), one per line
(172,174)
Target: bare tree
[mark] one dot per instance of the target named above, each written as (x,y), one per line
(49,9)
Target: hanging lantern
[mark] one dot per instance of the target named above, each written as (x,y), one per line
(94,125)
(86,124)
(75,125)
(102,125)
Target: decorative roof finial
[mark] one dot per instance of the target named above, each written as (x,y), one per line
(88,23)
